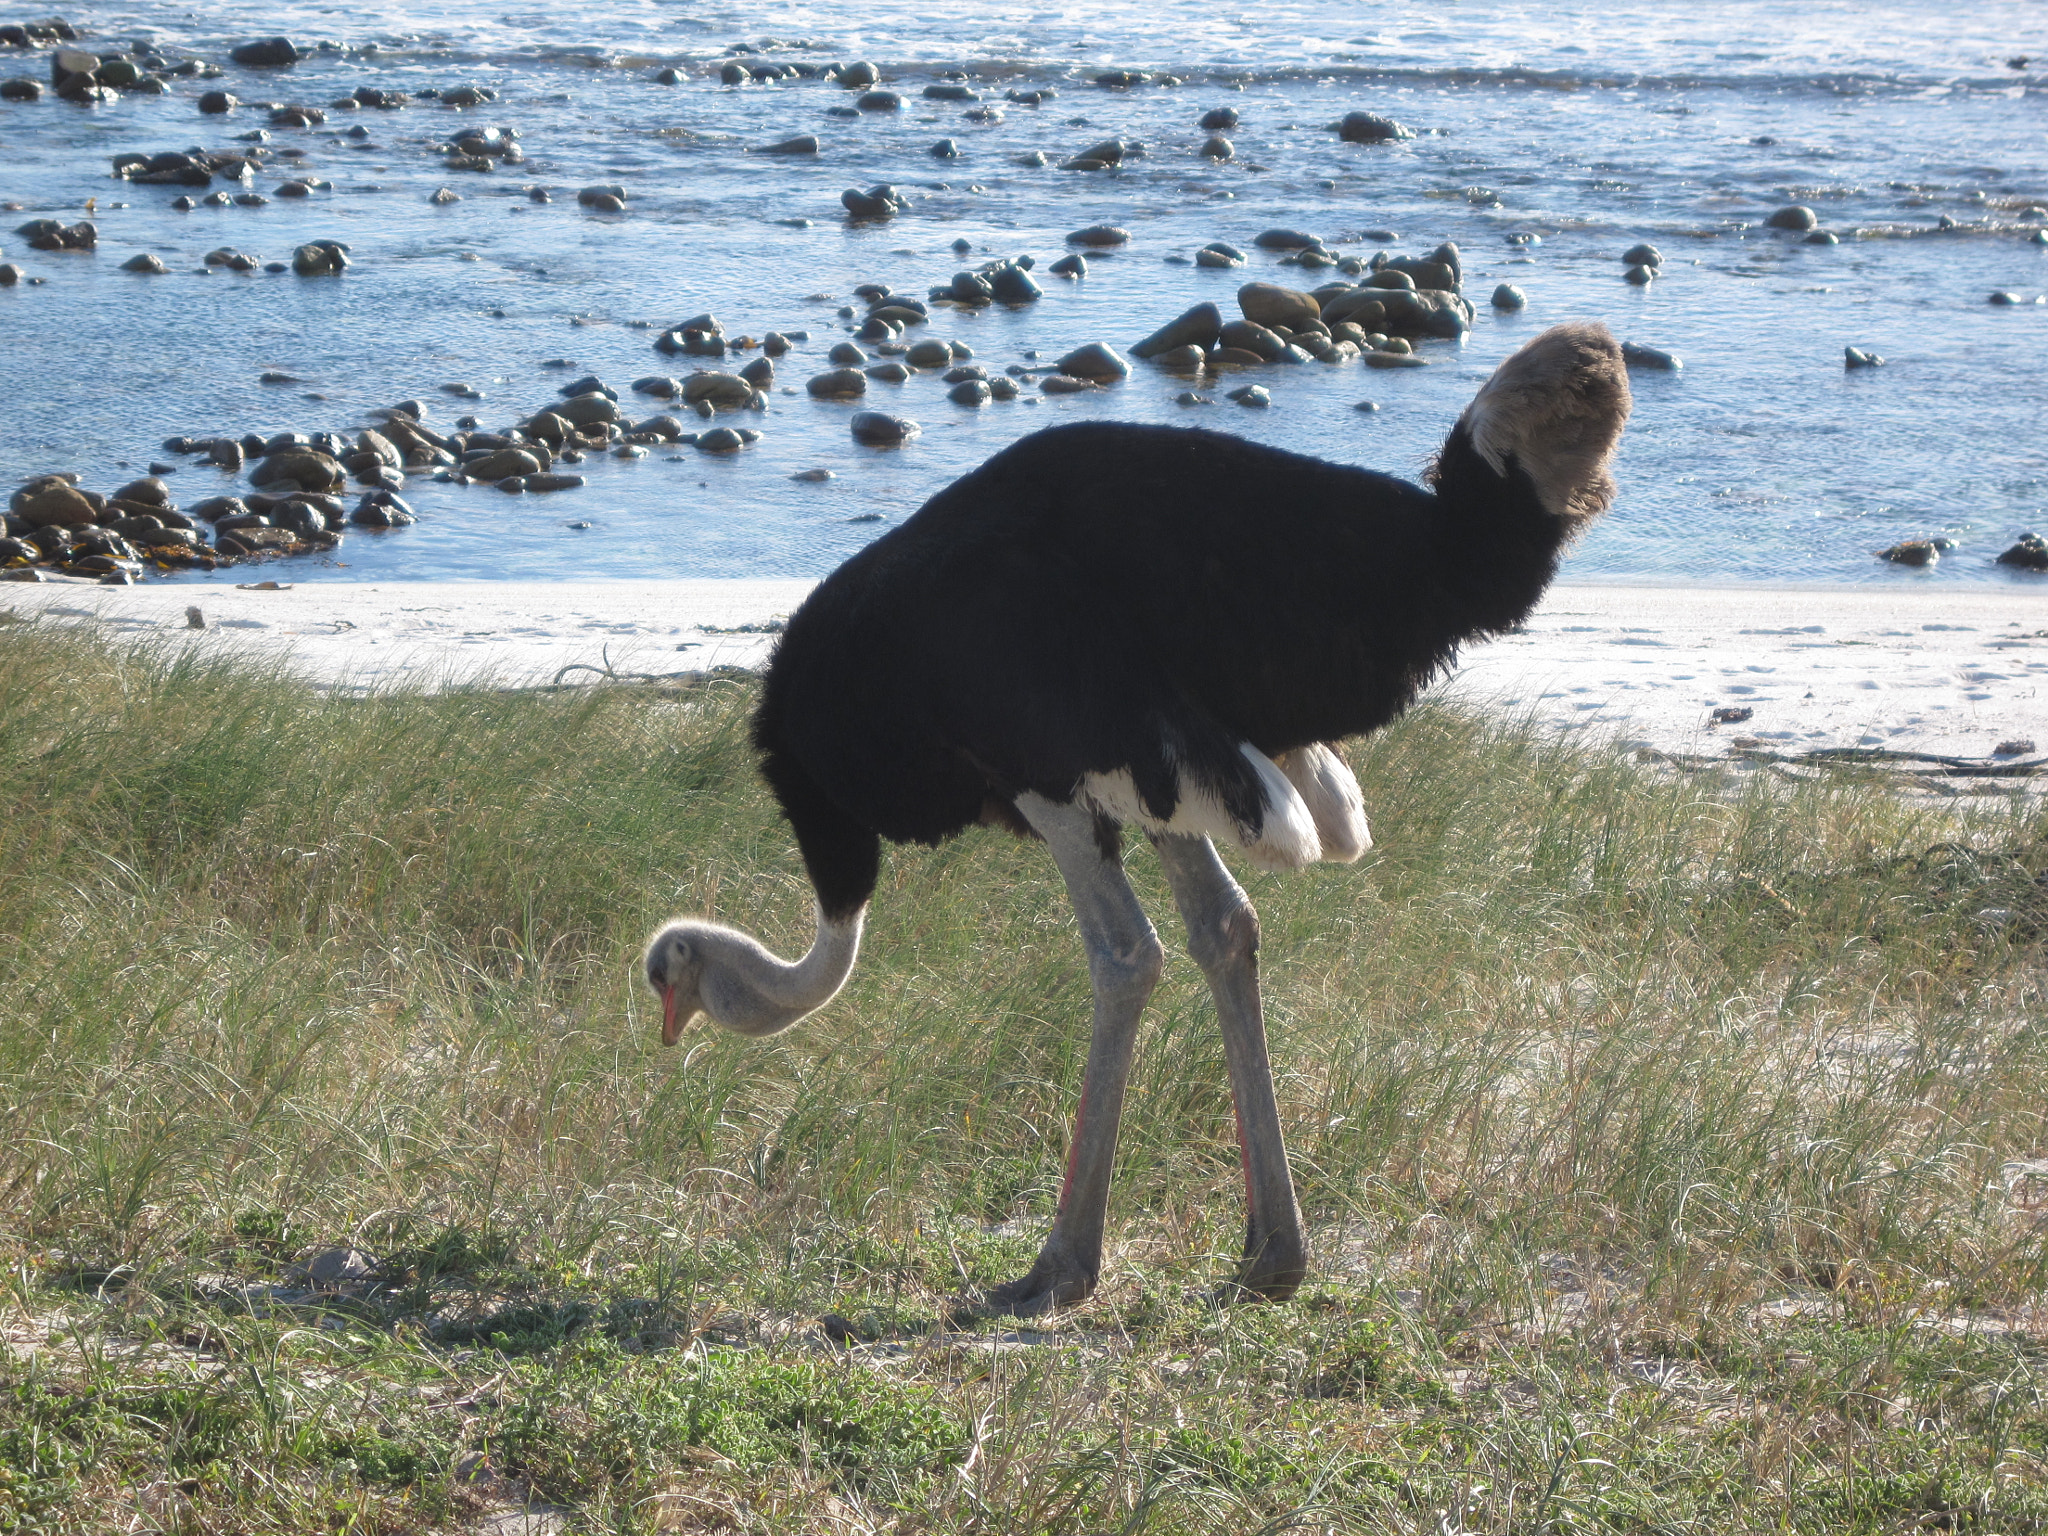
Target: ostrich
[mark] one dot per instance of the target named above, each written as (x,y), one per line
(1109,625)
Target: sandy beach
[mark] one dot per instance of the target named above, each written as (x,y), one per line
(1957,672)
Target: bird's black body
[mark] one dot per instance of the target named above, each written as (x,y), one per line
(1108,596)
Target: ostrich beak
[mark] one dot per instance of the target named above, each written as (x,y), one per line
(676,1011)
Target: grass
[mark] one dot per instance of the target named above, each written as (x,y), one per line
(1673,1149)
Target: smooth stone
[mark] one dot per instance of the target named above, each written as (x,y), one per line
(1822,237)
(270,53)
(802,144)
(1286,240)
(859,74)
(1796,216)
(1857,357)
(879,101)
(721,440)
(846,355)
(661,386)
(1912,552)
(307,468)
(1270,304)
(1002,389)
(2005,298)
(760,373)
(1189,397)
(1218,255)
(839,384)
(1099,236)
(878,202)
(1636,355)
(1508,297)
(1011,284)
(1183,359)
(1370,128)
(1250,336)
(1075,265)
(2029,554)
(880,430)
(1217,119)
(1197,327)
(551,480)
(1642,277)
(929,354)
(970,392)
(503,464)
(1253,395)
(1379,359)
(1420,313)
(1095,361)
(1066,384)
(1642,256)
(950,92)
(1217,148)
(945,149)
(888,373)
(145,263)
(726,390)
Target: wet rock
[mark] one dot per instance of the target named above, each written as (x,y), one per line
(1197,327)
(1912,552)
(888,373)
(945,149)
(1183,359)
(1012,284)
(1385,357)
(1287,240)
(270,53)
(930,354)
(218,103)
(879,101)
(760,373)
(1218,119)
(877,202)
(2030,553)
(1637,355)
(444,196)
(721,440)
(972,392)
(54,235)
(551,480)
(879,430)
(1217,148)
(1642,277)
(1508,297)
(838,384)
(950,92)
(1422,312)
(969,288)
(802,144)
(306,468)
(144,263)
(1821,237)
(320,258)
(52,501)
(858,75)
(846,355)
(1858,357)
(1250,336)
(602,199)
(1252,395)
(1100,236)
(1272,305)
(1075,265)
(1217,254)
(1796,216)
(1642,256)
(2005,298)
(721,391)
(1370,128)
(1097,362)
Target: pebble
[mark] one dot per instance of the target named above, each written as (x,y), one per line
(1795,216)
(1095,361)
(270,53)
(1379,358)
(1822,237)
(1636,355)
(1198,327)
(1509,297)
(879,430)
(1370,128)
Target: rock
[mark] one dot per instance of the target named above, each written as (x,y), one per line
(760,373)
(307,468)
(1370,128)
(1095,362)
(802,144)
(1066,384)
(973,392)
(846,354)
(602,199)
(1286,240)
(1377,358)
(1822,237)
(877,202)
(52,501)
(144,263)
(1250,336)
(1642,256)
(1636,355)
(945,149)
(1796,216)
(1197,327)
(552,481)
(338,1266)
(2029,554)
(502,464)
(859,75)
(930,354)
(1184,359)
(1642,277)
(1011,284)
(1857,357)
(879,430)
(1217,254)
(950,92)
(1508,297)
(270,53)
(721,440)
(812,476)
(1272,305)
(888,373)
(1217,119)
(879,101)
(319,258)
(1911,552)
(150,491)
(839,384)
(1429,312)
(1252,395)
(217,103)
(2018,746)
(1108,152)
(2005,298)
(721,391)
(1217,148)
(445,196)
(1099,236)
(1075,265)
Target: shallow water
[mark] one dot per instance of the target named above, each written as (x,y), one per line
(1763,460)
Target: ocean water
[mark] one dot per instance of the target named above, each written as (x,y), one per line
(1588,127)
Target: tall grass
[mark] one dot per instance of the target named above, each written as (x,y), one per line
(1584,1066)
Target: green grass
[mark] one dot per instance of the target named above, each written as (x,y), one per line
(1666,1145)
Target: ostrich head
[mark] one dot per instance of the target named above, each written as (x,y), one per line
(1557,408)
(698,967)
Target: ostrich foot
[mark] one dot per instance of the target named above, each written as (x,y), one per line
(1272,1269)
(1050,1284)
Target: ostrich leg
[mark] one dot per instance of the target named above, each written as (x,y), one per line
(1124,961)
(1223,937)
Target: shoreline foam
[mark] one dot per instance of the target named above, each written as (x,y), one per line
(1956,672)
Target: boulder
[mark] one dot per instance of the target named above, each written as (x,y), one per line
(1428,312)
(1197,327)
(307,468)
(269,53)
(1370,128)
(1095,362)
(1271,304)
(879,430)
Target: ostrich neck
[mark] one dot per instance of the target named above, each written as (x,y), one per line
(757,993)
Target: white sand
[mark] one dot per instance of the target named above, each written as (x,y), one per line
(1954,671)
